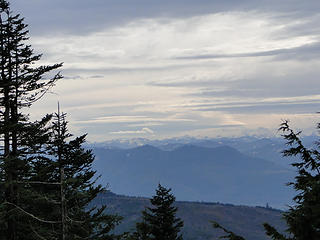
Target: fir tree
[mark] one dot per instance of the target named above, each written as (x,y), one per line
(160,221)
(21,84)
(72,167)
(303,218)
(230,235)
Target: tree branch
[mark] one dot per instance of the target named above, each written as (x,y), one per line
(31,215)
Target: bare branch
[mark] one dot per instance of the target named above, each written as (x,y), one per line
(39,182)
(31,215)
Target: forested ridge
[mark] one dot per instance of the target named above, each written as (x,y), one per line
(245,220)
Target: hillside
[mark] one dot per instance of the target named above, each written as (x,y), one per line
(244,220)
(195,173)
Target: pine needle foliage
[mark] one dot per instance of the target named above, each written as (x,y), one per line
(230,235)
(72,167)
(159,222)
(22,82)
(303,218)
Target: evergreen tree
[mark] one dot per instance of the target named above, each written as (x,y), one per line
(46,181)
(303,218)
(72,167)
(160,221)
(37,192)
(230,235)
(22,83)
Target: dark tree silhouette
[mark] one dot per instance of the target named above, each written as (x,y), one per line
(22,82)
(72,167)
(303,218)
(159,222)
(230,235)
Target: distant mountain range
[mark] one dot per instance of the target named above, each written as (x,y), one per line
(266,148)
(243,220)
(201,170)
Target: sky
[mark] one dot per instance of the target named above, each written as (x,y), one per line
(172,68)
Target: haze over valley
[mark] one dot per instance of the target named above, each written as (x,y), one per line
(247,171)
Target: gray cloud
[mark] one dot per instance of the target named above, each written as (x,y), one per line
(273,108)
(120,69)
(307,25)
(307,51)
(81,17)
(187,83)
(293,83)
(246,103)
(252,78)
(259,92)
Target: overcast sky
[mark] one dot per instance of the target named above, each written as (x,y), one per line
(170,68)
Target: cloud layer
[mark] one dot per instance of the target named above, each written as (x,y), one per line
(162,69)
